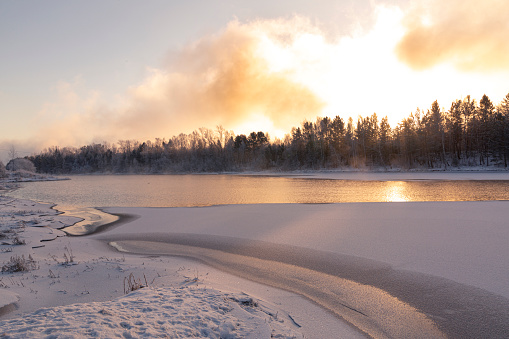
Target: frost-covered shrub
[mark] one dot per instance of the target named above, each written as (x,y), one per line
(21,164)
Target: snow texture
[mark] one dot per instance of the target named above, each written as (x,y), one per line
(68,293)
(154,313)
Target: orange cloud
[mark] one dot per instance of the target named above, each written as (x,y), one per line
(472,35)
(222,79)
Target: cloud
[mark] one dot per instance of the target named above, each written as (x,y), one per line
(470,34)
(221,79)
(73,117)
(224,79)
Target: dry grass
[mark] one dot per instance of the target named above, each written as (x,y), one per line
(68,256)
(20,264)
(131,284)
(16,240)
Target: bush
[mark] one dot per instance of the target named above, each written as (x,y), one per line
(21,164)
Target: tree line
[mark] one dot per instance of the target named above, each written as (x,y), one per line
(467,134)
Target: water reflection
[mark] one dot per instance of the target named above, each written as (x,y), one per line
(206,190)
(396,191)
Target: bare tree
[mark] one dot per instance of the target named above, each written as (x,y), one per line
(13,153)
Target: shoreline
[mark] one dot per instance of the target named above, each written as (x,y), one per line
(488,172)
(99,225)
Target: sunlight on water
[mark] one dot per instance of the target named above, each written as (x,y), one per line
(396,191)
(206,190)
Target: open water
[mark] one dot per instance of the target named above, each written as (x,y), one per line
(204,190)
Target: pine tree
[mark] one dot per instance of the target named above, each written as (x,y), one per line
(455,120)
(486,112)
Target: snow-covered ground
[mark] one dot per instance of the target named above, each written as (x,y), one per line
(157,312)
(76,286)
(448,260)
(406,269)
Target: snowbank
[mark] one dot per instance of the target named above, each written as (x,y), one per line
(7,298)
(157,313)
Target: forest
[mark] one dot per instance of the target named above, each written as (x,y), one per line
(467,134)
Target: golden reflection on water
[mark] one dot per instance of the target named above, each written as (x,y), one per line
(396,191)
(207,190)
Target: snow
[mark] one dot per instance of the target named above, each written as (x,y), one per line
(457,248)
(156,312)
(7,298)
(461,241)
(401,269)
(78,287)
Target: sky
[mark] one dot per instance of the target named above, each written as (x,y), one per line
(78,72)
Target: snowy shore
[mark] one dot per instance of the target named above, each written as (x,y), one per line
(409,269)
(76,285)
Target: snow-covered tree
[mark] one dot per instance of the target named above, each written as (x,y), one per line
(21,164)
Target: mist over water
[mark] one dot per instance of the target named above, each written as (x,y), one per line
(205,190)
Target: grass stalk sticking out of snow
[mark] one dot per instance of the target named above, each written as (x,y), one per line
(131,284)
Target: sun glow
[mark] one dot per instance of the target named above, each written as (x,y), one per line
(258,122)
(396,191)
(361,74)
(351,75)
